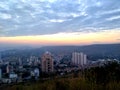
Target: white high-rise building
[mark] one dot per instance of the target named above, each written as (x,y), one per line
(79,58)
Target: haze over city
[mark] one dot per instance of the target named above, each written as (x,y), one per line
(59,44)
(59,22)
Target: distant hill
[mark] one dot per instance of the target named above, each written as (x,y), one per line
(93,51)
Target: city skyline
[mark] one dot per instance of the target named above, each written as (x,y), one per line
(58,22)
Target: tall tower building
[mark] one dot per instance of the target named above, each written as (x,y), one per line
(79,58)
(20,61)
(47,62)
(8,68)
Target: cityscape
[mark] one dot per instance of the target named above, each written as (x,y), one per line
(17,66)
(59,44)
(17,70)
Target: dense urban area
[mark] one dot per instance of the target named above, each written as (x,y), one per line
(71,71)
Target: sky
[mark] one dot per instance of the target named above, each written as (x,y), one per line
(59,22)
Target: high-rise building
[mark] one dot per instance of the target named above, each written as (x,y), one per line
(47,62)
(20,61)
(33,60)
(79,58)
(8,68)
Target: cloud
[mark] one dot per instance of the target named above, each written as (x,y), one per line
(118,39)
(113,18)
(56,20)
(37,17)
(5,16)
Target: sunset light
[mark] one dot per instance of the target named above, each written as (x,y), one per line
(75,38)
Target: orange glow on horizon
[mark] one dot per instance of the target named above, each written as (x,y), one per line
(76,38)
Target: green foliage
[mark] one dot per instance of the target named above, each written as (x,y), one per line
(67,84)
(102,75)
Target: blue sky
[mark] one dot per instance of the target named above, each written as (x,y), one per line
(41,17)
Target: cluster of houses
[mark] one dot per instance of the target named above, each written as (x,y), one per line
(19,76)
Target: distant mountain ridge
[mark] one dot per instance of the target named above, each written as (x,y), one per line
(93,51)
(97,50)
